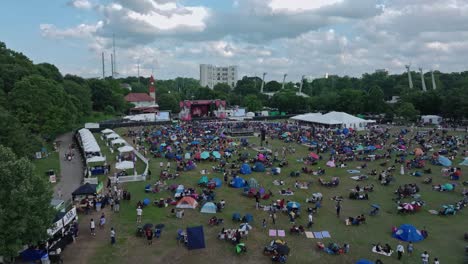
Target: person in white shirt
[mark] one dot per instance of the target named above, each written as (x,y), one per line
(139,214)
(92,226)
(436,261)
(309,225)
(400,250)
(425,258)
(112,236)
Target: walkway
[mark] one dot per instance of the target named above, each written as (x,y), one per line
(71,171)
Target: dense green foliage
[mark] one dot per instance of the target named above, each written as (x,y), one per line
(38,102)
(349,94)
(25,208)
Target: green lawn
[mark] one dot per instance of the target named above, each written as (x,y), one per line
(96,117)
(445,233)
(52,161)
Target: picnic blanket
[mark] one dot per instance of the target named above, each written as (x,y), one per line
(274,232)
(318,235)
(353,171)
(374,249)
(309,234)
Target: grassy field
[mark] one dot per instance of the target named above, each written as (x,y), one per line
(445,239)
(52,161)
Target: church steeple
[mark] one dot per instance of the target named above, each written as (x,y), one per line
(152,88)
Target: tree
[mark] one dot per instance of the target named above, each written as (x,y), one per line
(25,208)
(252,103)
(272,86)
(15,136)
(407,111)
(222,87)
(42,106)
(81,96)
(375,100)
(168,102)
(49,71)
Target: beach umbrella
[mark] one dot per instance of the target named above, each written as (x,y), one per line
(314,155)
(408,207)
(294,205)
(216,154)
(205,155)
(245,227)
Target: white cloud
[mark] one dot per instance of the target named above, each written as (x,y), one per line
(300,5)
(81,4)
(80,31)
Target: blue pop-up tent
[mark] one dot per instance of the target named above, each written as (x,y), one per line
(245,169)
(195,238)
(209,208)
(259,167)
(218,182)
(444,161)
(238,182)
(408,233)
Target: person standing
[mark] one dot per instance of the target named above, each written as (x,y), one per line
(400,250)
(112,236)
(436,261)
(102,221)
(309,225)
(149,236)
(92,226)
(264,223)
(410,248)
(425,258)
(139,214)
(338,208)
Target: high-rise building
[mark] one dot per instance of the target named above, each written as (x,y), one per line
(211,75)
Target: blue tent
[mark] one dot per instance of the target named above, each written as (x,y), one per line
(218,182)
(31,255)
(195,238)
(236,216)
(464,162)
(408,233)
(371,148)
(245,169)
(259,167)
(364,261)
(209,208)
(238,182)
(170,155)
(345,131)
(444,161)
(248,218)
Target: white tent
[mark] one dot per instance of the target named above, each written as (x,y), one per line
(431,119)
(96,159)
(340,119)
(112,136)
(118,141)
(88,141)
(250,114)
(124,165)
(125,149)
(107,131)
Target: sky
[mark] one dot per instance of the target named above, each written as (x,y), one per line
(170,38)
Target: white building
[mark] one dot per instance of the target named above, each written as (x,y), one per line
(211,75)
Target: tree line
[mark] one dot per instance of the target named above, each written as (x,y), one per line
(365,95)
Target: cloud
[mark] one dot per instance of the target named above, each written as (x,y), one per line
(80,31)
(81,4)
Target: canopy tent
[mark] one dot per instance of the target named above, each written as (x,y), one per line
(85,189)
(245,169)
(112,136)
(118,141)
(340,119)
(96,159)
(107,131)
(209,208)
(125,149)
(195,238)
(187,202)
(408,233)
(124,165)
(88,141)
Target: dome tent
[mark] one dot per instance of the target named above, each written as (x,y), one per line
(259,167)
(209,208)
(245,169)
(408,233)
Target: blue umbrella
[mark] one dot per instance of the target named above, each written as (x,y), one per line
(292,205)
(364,261)
(216,154)
(205,155)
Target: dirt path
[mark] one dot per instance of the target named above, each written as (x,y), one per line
(71,171)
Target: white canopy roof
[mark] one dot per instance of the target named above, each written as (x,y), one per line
(118,141)
(107,131)
(112,136)
(125,149)
(96,159)
(89,142)
(124,165)
(333,118)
